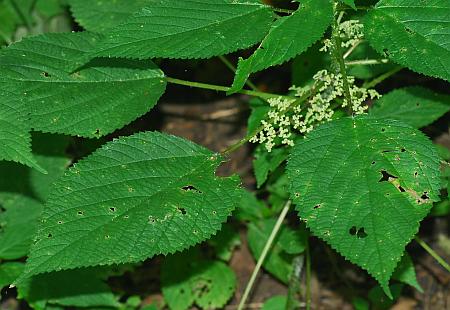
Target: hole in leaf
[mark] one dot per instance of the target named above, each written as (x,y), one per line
(409,30)
(373,163)
(49,235)
(80,213)
(401,189)
(182,210)
(151,220)
(386,176)
(386,52)
(97,132)
(317,206)
(361,233)
(416,174)
(297,195)
(60,222)
(46,74)
(191,188)
(425,196)
(112,209)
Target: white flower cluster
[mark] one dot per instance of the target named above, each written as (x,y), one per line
(286,119)
(277,125)
(350,32)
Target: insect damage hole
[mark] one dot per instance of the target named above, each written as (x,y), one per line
(386,176)
(182,210)
(360,233)
(191,188)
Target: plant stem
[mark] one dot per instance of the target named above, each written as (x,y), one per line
(435,255)
(367,62)
(294,283)
(233,69)
(339,57)
(264,253)
(236,145)
(351,49)
(308,276)
(381,78)
(224,88)
(286,11)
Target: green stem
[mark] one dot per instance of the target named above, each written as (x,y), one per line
(366,62)
(308,276)
(224,88)
(233,69)
(435,255)
(339,56)
(381,78)
(294,283)
(286,11)
(264,253)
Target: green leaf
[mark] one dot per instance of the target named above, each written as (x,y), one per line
(260,109)
(9,272)
(18,223)
(288,37)
(14,132)
(50,153)
(188,29)
(415,106)
(72,288)
(95,101)
(379,300)
(98,16)
(406,273)
(136,197)
(275,303)
(293,241)
(363,185)
(250,208)
(278,261)
(185,281)
(49,8)
(360,303)
(413,34)
(266,162)
(350,3)
(224,243)
(8,21)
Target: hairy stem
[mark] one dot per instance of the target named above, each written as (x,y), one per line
(294,283)
(224,88)
(351,49)
(366,62)
(435,255)
(337,49)
(264,253)
(381,78)
(308,276)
